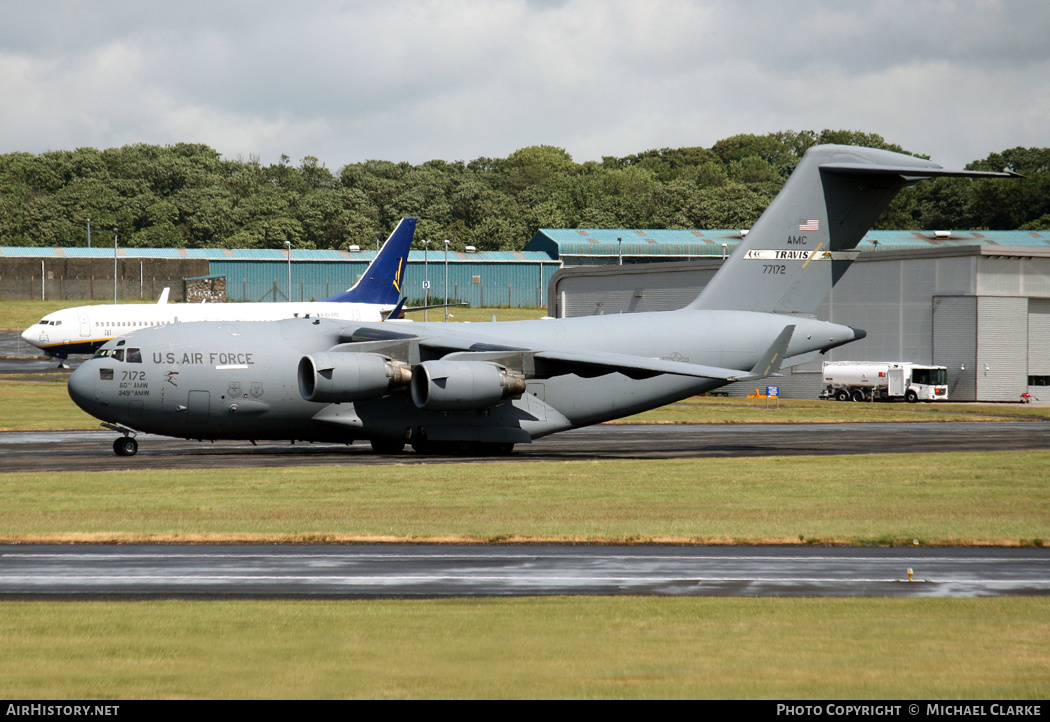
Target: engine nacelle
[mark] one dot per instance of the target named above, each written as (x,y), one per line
(463,385)
(335,378)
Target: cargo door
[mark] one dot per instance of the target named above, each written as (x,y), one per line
(197,409)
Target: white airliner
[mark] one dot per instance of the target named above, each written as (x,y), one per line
(82,329)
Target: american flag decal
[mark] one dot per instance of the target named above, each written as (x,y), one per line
(811,224)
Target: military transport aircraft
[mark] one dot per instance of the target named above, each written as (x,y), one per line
(83,329)
(465,388)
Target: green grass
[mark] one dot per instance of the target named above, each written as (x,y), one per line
(963,498)
(718,410)
(477,315)
(22,314)
(581,647)
(42,404)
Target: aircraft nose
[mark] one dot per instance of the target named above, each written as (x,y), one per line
(82,386)
(30,335)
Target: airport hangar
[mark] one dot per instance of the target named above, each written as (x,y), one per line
(977,303)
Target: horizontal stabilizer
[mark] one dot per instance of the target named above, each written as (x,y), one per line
(911,171)
(436,305)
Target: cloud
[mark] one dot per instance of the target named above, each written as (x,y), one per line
(349,81)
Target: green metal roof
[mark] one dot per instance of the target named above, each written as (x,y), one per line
(560,242)
(265,254)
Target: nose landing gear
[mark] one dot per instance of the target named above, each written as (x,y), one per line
(125,446)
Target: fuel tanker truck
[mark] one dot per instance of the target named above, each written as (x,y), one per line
(883,381)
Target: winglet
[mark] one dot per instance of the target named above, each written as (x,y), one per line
(396,313)
(769,364)
(381,281)
(163,296)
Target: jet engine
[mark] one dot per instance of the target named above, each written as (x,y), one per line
(341,377)
(462,385)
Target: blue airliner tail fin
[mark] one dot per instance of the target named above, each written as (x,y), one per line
(381,281)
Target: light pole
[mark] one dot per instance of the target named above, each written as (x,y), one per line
(619,251)
(446,280)
(426,278)
(289,245)
(114,264)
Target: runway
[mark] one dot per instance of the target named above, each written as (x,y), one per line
(391,570)
(66,451)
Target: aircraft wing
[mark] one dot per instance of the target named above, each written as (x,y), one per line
(590,363)
(545,362)
(639,366)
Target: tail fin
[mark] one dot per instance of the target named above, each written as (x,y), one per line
(381,282)
(805,240)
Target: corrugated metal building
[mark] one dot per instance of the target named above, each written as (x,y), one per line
(616,246)
(983,311)
(481,279)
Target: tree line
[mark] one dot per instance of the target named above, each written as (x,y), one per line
(188,195)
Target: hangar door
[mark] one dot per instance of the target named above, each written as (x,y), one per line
(1039,348)
(1002,348)
(984,341)
(955,343)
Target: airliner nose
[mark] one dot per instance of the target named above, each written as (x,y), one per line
(30,338)
(82,386)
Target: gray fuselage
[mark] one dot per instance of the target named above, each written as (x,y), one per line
(239,381)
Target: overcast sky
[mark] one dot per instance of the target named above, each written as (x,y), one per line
(456,80)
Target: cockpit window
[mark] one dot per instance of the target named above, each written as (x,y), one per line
(134,356)
(102,353)
(118,354)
